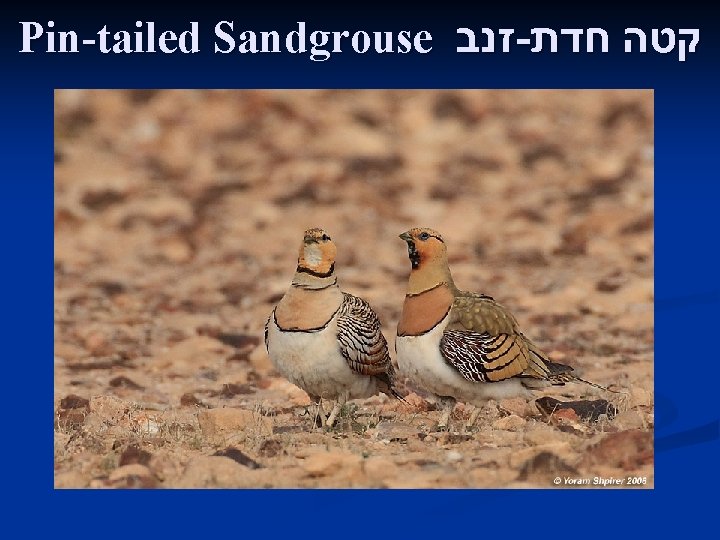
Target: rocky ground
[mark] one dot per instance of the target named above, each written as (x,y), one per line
(177,222)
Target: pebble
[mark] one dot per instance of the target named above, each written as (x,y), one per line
(217,471)
(509,423)
(330,463)
(630,420)
(561,449)
(380,469)
(134,475)
(219,421)
(395,431)
(109,408)
(517,406)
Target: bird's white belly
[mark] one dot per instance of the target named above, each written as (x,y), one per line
(419,359)
(313,362)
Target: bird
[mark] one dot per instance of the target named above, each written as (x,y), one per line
(462,345)
(323,340)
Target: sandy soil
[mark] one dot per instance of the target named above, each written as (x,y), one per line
(177,221)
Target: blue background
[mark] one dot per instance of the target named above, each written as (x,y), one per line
(687,294)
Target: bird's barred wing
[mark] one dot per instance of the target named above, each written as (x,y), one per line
(483,343)
(482,357)
(361,341)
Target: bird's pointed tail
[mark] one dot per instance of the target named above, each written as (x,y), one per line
(395,394)
(561,374)
(389,379)
(575,378)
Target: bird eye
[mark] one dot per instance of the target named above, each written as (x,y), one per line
(325,237)
(424,236)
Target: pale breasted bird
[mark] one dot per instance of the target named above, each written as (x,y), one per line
(326,341)
(461,345)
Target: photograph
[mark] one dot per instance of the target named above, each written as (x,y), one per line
(375,289)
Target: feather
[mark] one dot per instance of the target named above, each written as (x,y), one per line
(484,357)
(362,343)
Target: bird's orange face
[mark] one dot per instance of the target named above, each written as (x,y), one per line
(317,253)
(423,245)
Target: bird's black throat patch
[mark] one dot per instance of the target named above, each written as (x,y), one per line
(414,254)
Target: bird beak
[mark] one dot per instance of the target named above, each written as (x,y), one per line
(406,236)
(310,239)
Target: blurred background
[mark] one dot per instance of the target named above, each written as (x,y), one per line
(179,214)
(202,196)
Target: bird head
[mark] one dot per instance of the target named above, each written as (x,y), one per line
(424,246)
(317,253)
(428,258)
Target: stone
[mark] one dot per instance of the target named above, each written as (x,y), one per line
(239,456)
(395,431)
(380,469)
(271,448)
(446,437)
(627,449)
(323,464)
(295,395)
(216,472)
(574,411)
(415,480)
(133,454)
(417,403)
(517,406)
(145,423)
(639,397)
(509,423)
(70,418)
(606,168)
(188,399)
(542,467)
(631,419)
(567,415)
(484,477)
(496,457)
(68,351)
(132,476)
(191,355)
(563,450)
(221,421)
(175,250)
(96,344)
(73,401)
(94,422)
(70,480)
(109,408)
(60,442)
(542,433)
